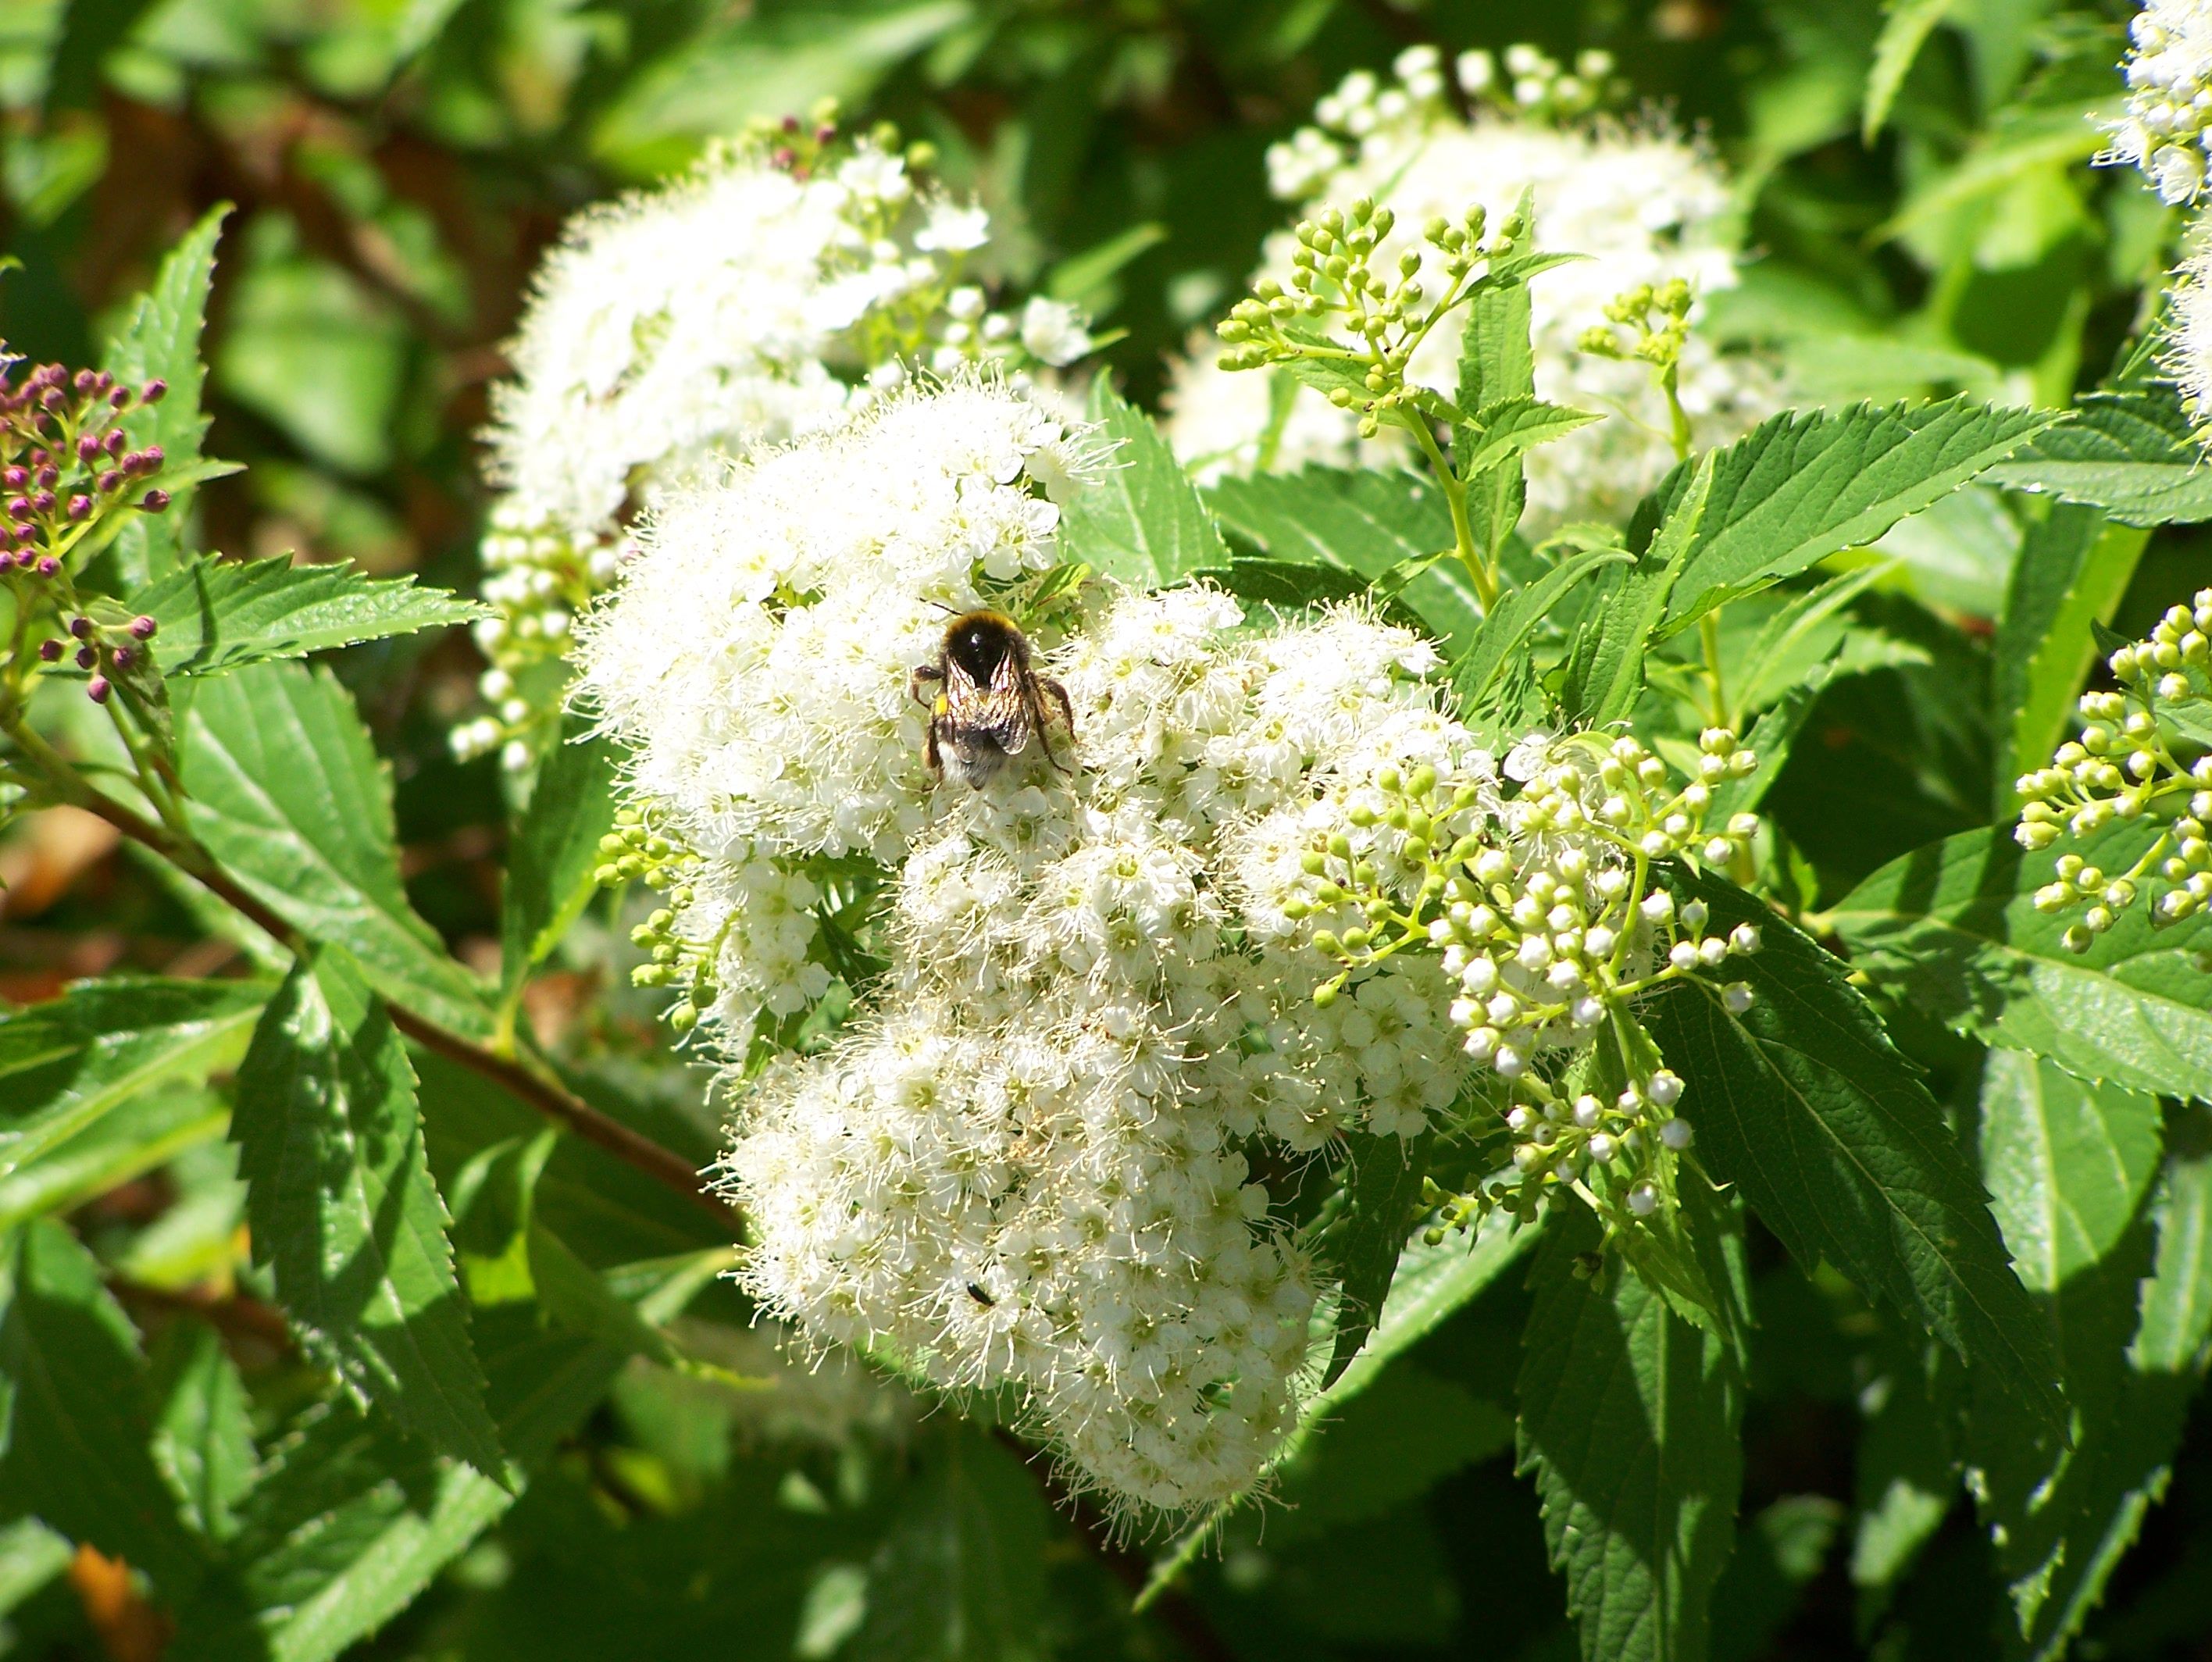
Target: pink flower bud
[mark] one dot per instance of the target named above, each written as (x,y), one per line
(97,690)
(143,628)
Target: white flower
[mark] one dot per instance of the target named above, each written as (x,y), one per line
(1052,331)
(954,228)
(2169,75)
(1645,205)
(875,175)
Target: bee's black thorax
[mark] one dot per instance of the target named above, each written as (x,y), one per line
(981,642)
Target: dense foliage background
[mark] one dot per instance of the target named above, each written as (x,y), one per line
(394,168)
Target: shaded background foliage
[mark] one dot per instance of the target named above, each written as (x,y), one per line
(395,167)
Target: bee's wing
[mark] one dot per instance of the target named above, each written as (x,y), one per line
(1000,712)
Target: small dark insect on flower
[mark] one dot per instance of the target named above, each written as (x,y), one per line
(979,1295)
(988,701)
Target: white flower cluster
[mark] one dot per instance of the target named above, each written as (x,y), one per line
(680,323)
(1031,1168)
(754,664)
(1027,1160)
(2169,73)
(749,303)
(1644,204)
(754,658)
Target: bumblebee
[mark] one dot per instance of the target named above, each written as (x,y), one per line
(987,702)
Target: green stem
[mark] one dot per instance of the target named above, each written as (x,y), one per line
(1708,633)
(536,1087)
(1678,419)
(1484,576)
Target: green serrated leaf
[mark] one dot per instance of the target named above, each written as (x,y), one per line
(961,1575)
(1382,1192)
(1803,1104)
(162,341)
(2132,453)
(1497,358)
(1510,428)
(1628,1420)
(1142,521)
(554,850)
(1905,29)
(1515,617)
(216,615)
(1952,929)
(1394,1443)
(139,1135)
(1804,485)
(1367,521)
(1764,674)
(1497,361)
(1283,583)
(348,1521)
(2024,137)
(2095,1504)
(2069,1167)
(345,1213)
(577,1297)
(2073,570)
(204,1429)
(78,1455)
(66,1064)
(285,790)
(1428,1286)
(1605,678)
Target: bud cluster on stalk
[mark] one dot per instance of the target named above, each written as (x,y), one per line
(68,471)
(1614,1148)
(1658,319)
(1549,915)
(1335,289)
(635,851)
(2144,753)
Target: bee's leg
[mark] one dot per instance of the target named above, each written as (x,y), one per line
(1067,715)
(924,675)
(930,759)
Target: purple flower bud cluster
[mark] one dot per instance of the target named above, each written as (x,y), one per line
(105,649)
(64,459)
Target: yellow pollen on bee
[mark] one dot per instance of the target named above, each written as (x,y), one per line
(942,705)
